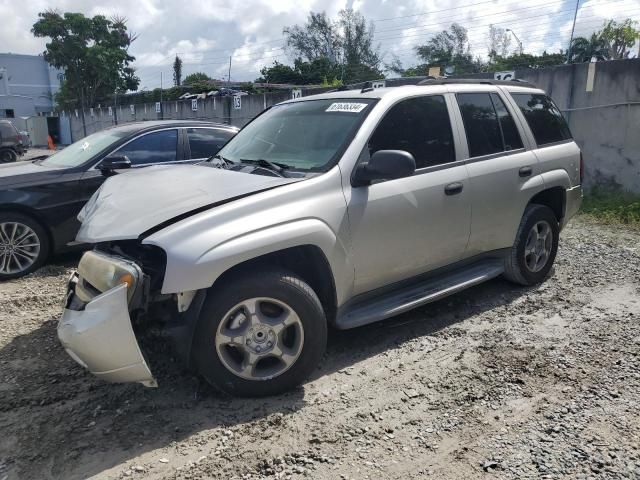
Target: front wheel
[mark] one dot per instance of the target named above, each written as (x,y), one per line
(24,245)
(260,334)
(536,245)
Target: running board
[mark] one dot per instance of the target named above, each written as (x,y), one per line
(407,298)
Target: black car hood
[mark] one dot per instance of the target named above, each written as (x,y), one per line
(132,203)
(20,173)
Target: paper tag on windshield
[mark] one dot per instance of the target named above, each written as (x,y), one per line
(346,107)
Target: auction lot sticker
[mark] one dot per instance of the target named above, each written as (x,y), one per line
(346,107)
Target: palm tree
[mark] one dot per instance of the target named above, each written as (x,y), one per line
(583,49)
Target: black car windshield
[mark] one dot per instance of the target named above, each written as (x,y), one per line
(307,135)
(78,153)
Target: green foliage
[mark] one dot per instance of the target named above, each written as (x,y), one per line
(196,77)
(612,206)
(341,50)
(450,48)
(613,42)
(527,60)
(93,52)
(177,71)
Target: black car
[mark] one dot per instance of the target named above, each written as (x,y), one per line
(39,200)
(11,144)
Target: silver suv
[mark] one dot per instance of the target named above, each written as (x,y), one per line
(339,209)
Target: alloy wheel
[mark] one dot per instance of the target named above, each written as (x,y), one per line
(259,338)
(19,247)
(537,249)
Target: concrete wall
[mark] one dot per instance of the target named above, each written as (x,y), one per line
(605,121)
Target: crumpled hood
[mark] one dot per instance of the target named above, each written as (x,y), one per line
(131,203)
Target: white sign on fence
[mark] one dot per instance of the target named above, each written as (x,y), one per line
(378,84)
(132,108)
(509,75)
(76,113)
(110,112)
(296,93)
(158,107)
(194,105)
(237,102)
(91,111)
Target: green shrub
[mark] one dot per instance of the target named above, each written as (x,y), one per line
(612,206)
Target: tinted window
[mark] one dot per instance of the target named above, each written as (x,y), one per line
(205,142)
(419,126)
(480,123)
(545,120)
(510,135)
(153,147)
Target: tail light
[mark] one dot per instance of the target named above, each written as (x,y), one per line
(581,169)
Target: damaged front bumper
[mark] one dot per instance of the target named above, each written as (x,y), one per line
(98,334)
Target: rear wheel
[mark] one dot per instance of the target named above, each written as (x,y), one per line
(260,334)
(536,245)
(24,245)
(7,156)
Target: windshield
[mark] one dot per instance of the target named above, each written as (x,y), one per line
(81,151)
(307,135)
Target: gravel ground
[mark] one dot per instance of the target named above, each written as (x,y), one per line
(496,382)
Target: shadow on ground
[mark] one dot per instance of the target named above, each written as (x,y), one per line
(58,421)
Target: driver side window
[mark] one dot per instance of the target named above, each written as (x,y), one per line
(420,126)
(154,147)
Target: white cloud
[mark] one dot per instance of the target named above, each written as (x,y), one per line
(205,32)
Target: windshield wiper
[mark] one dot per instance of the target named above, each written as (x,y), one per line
(261,162)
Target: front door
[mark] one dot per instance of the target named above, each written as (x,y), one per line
(405,227)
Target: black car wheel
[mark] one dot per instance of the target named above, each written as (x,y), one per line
(260,333)
(7,156)
(24,245)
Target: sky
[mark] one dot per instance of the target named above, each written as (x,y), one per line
(205,33)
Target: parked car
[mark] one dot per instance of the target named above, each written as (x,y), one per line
(10,142)
(344,208)
(40,200)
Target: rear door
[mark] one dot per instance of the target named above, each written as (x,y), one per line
(499,165)
(204,142)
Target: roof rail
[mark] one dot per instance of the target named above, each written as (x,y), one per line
(475,81)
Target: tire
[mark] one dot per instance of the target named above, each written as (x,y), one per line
(24,249)
(527,266)
(8,156)
(228,335)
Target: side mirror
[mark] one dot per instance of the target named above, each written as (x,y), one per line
(114,162)
(385,165)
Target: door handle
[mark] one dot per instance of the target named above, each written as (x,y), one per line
(525,171)
(453,188)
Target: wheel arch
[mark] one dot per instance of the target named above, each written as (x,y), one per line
(554,198)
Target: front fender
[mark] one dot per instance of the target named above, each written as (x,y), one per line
(188,269)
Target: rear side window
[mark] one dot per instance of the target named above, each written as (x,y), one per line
(205,142)
(420,126)
(544,118)
(488,124)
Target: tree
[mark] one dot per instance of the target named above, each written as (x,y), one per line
(583,49)
(196,77)
(450,48)
(527,60)
(347,42)
(316,72)
(499,42)
(93,52)
(319,38)
(177,71)
(619,38)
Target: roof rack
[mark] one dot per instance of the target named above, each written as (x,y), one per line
(475,81)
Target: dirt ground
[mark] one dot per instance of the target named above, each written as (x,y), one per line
(496,382)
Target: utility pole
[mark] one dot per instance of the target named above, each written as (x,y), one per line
(575,15)
(229,77)
(161,111)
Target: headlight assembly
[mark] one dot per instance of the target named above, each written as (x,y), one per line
(102,272)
